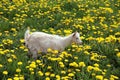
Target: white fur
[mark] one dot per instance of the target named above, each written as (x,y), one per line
(40,41)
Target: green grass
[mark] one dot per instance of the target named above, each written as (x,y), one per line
(97,21)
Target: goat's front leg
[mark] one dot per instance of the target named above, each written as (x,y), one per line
(29,53)
(34,52)
(59,52)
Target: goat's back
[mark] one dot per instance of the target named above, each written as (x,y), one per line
(45,35)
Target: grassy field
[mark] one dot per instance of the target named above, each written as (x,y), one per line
(98,22)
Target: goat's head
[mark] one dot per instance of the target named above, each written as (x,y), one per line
(76,38)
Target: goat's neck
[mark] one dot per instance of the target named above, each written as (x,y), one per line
(67,40)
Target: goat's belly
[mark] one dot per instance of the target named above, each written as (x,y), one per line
(51,44)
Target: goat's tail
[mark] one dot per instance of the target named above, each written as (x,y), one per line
(27,34)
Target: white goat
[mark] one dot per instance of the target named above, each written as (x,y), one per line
(40,41)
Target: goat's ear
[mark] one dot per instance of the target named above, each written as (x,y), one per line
(28,28)
(74,33)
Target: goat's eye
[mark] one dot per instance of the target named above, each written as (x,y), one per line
(76,38)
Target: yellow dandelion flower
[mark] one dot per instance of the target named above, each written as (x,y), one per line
(5,72)
(96,65)
(96,69)
(86,52)
(103,73)
(16,78)
(55,51)
(116,49)
(106,79)
(32,72)
(78,70)
(38,61)
(86,47)
(13,29)
(113,76)
(9,60)
(99,77)
(66,78)
(40,73)
(66,60)
(93,74)
(52,75)
(47,73)
(31,69)
(73,64)
(12,51)
(2,52)
(47,78)
(118,54)
(22,40)
(33,65)
(1,65)
(71,74)
(19,63)
(0,34)
(75,57)
(14,56)
(63,72)
(18,70)
(89,68)
(21,78)
(22,47)
(58,77)
(108,65)
(118,40)
(109,10)
(9,79)
(69,70)
(110,39)
(82,64)
(49,50)
(49,67)
(62,66)
(100,39)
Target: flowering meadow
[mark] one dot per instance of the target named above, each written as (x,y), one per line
(97,21)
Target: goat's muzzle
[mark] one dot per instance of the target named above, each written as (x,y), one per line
(80,43)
